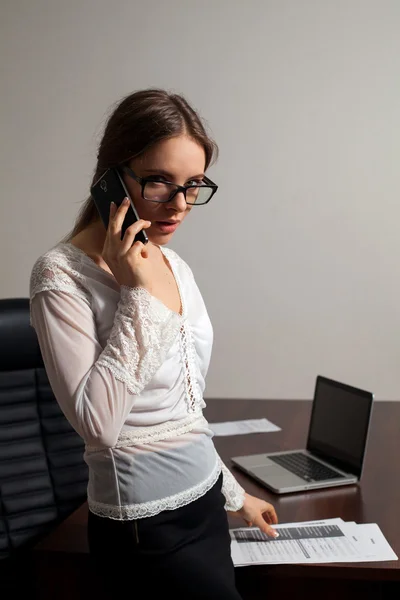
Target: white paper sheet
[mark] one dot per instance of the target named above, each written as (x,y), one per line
(371,541)
(242,427)
(327,541)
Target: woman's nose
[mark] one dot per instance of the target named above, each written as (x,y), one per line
(178,202)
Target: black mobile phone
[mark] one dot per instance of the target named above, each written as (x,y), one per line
(110,187)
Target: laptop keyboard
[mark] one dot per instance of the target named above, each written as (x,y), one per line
(305,467)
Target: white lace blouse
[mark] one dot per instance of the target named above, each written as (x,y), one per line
(129,375)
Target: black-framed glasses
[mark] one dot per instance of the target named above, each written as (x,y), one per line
(156,190)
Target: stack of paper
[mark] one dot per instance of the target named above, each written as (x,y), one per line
(331,540)
(241,427)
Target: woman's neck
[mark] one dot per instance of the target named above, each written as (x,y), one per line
(91,240)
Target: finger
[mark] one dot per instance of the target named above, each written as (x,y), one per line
(270,511)
(269,514)
(137,249)
(265,528)
(113,210)
(131,232)
(268,518)
(115,223)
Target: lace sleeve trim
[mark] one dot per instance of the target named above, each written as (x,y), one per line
(144,330)
(233,492)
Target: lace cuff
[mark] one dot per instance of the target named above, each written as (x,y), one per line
(233,492)
(144,330)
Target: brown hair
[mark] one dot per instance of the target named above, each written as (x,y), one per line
(139,121)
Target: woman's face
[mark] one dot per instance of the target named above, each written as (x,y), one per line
(178,160)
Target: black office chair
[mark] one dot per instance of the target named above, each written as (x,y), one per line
(43,476)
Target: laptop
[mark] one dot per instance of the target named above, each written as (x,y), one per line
(336,444)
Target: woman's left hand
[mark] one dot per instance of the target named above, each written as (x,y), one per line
(258,513)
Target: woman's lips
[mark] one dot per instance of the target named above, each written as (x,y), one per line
(166,226)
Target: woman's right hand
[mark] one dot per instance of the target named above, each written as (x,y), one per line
(128,263)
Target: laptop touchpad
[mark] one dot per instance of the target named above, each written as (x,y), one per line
(277,475)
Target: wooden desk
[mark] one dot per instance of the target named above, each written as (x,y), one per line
(62,558)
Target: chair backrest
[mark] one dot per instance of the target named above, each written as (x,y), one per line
(43,476)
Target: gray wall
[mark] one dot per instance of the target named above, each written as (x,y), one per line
(297,255)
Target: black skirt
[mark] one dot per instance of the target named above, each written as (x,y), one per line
(182,553)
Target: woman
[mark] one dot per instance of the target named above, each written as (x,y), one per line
(126,341)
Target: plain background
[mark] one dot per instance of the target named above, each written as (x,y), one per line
(297,255)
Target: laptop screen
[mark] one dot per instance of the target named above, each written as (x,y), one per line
(339,424)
